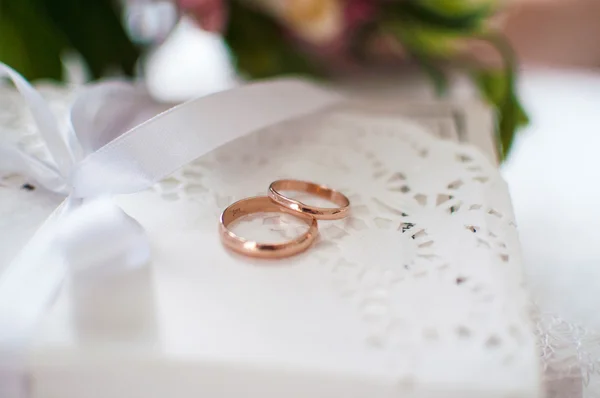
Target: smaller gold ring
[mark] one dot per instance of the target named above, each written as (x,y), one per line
(321,213)
(260,204)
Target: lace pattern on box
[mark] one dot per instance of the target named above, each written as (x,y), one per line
(426,214)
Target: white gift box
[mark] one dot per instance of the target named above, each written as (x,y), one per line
(417,294)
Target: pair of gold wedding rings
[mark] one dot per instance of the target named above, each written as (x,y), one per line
(278,203)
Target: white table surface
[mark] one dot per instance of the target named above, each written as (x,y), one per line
(553,173)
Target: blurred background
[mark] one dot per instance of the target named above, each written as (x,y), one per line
(547,103)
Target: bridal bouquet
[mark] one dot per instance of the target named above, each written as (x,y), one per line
(274,37)
(322,37)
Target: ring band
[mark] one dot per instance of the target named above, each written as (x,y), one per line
(260,204)
(322,213)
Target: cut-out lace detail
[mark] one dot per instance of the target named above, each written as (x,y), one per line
(429,255)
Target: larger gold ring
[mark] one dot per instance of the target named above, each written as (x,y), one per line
(262,204)
(321,213)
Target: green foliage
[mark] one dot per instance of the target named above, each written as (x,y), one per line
(29,40)
(497,87)
(458,15)
(259,46)
(35,33)
(433,30)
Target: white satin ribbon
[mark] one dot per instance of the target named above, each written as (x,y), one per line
(108,152)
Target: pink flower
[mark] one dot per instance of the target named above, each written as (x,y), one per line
(210,14)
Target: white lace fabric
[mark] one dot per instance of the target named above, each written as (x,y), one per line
(424,274)
(427,270)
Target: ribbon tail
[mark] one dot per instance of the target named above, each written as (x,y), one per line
(44,119)
(13,160)
(29,283)
(67,244)
(106,110)
(27,287)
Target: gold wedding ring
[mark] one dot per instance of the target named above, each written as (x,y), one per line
(278,203)
(321,213)
(261,204)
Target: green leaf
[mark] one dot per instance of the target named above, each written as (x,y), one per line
(34,34)
(29,42)
(435,28)
(497,89)
(451,15)
(459,8)
(424,40)
(435,73)
(93,29)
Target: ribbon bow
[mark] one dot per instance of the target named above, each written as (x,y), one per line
(102,113)
(102,233)
(106,152)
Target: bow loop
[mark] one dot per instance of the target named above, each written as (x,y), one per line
(15,161)
(100,115)
(106,110)
(61,156)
